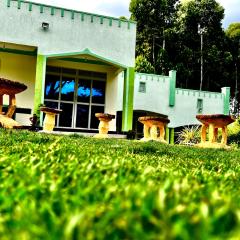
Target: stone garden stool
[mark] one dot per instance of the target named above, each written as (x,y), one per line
(49,121)
(103,127)
(9,88)
(213,122)
(151,126)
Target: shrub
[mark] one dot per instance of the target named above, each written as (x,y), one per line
(190,135)
(234,132)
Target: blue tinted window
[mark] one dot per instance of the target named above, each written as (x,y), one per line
(52,85)
(82,116)
(67,90)
(98,92)
(84,90)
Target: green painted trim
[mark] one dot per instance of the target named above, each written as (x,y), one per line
(65,9)
(19,4)
(88,52)
(110,22)
(119,23)
(197,91)
(172,88)
(226,100)
(8,3)
(72,14)
(17,51)
(52,11)
(39,83)
(101,20)
(30,7)
(87,61)
(62,12)
(167,135)
(171,136)
(41,8)
(150,74)
(128,95)
(82,17)
(129,25)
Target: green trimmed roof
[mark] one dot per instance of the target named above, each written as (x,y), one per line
(100,59)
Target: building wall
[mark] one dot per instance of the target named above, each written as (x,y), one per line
(69,31)
(184,111)
(22,69)
(155,99)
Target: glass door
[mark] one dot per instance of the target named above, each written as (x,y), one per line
(80,94)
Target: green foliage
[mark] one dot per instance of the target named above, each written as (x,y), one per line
(209,14)
(233,31)
(59,187)
(168,38)
(155,19)
(189,135)
(234,132)
(143,65)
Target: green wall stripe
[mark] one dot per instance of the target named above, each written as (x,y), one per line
(30,7)
(91,18)
(171,135)
(167,135)
(17,51)
(128,94)
(72,15)
(9,3)
(87,61)
(119,23)
(101,20)
(172,88)
(62,12)
(52,11)
(41,8)
(19,4)
(82,17)
(226,100)
(39,83)
(110,22)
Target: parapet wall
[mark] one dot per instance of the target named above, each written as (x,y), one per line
(157,93)
(197,93)
(155,96)
(69,31)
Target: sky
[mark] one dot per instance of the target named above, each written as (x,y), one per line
(117,8)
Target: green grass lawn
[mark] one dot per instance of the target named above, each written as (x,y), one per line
(54,187)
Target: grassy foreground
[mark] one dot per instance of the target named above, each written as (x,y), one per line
(55,187)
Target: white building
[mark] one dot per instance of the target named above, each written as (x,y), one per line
(83,63)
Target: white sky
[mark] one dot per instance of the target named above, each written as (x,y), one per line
(117,8)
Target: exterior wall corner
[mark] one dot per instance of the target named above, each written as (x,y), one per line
(226,100)
(128,95)
(172,88)
(39,82)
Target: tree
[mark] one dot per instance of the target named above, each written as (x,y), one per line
(233,34)
(207,14)
(143,65)
(154,19)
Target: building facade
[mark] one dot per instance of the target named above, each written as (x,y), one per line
(83,63)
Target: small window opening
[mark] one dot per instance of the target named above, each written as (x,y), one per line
(200,105)
(142,87)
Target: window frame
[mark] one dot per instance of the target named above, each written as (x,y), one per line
(142,88)
(199,105)
(77,76)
